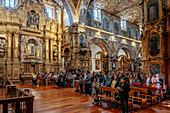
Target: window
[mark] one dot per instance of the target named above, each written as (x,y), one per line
(123,24)
(97,14)
(50,12)
(9,3)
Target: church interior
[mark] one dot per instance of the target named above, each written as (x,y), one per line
(84,56)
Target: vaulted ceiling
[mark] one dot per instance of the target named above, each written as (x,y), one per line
(129,10)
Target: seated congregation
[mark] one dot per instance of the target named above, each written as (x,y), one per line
(130,91)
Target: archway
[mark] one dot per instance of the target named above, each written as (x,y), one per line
(100,52)
(67,57)
(124,60)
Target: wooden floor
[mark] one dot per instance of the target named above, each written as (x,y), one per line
(50,99)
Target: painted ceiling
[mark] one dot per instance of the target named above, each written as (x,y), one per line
(129,10)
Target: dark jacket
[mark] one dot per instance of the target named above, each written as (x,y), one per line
(126,89)
(119,80)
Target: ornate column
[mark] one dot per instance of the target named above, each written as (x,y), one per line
(59,53)
(9,40)
(9,66)
(16,63)
(51,50)
(16,43)
(47,50)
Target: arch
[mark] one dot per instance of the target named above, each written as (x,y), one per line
(67,52)
(102,44)
(126,49)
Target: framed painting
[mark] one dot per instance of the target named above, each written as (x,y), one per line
(154,44)
(154,68)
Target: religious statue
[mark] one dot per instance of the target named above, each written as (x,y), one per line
(31,49)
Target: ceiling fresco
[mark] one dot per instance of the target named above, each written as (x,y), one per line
(129,10)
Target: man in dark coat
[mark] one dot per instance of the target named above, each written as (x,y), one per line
(122,75)
(124,89)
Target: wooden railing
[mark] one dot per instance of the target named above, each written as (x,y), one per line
(22,102)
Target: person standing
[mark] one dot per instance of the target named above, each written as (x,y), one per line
(34,79)
(124,89)
(81,84)
(77,75)
(151,81)
(101,78)
(119,79)
(87,82)
(107,83)
(95,91)
(136,82)
(159,81)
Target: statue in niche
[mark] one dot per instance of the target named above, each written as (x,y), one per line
(154,44)
(33,20)
(153,10)
(31,49)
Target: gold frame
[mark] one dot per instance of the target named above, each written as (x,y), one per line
(160,54)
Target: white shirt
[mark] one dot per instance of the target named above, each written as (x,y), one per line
(153,80)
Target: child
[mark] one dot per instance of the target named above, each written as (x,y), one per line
(81,84)
(95,91)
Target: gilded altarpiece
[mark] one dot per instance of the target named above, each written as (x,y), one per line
(29,40)
(153,38)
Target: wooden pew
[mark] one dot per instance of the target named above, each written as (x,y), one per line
(51,80)
(104,97)
(140,96)
(152,97)
(112,98)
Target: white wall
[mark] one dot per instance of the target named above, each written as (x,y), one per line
(94,48)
